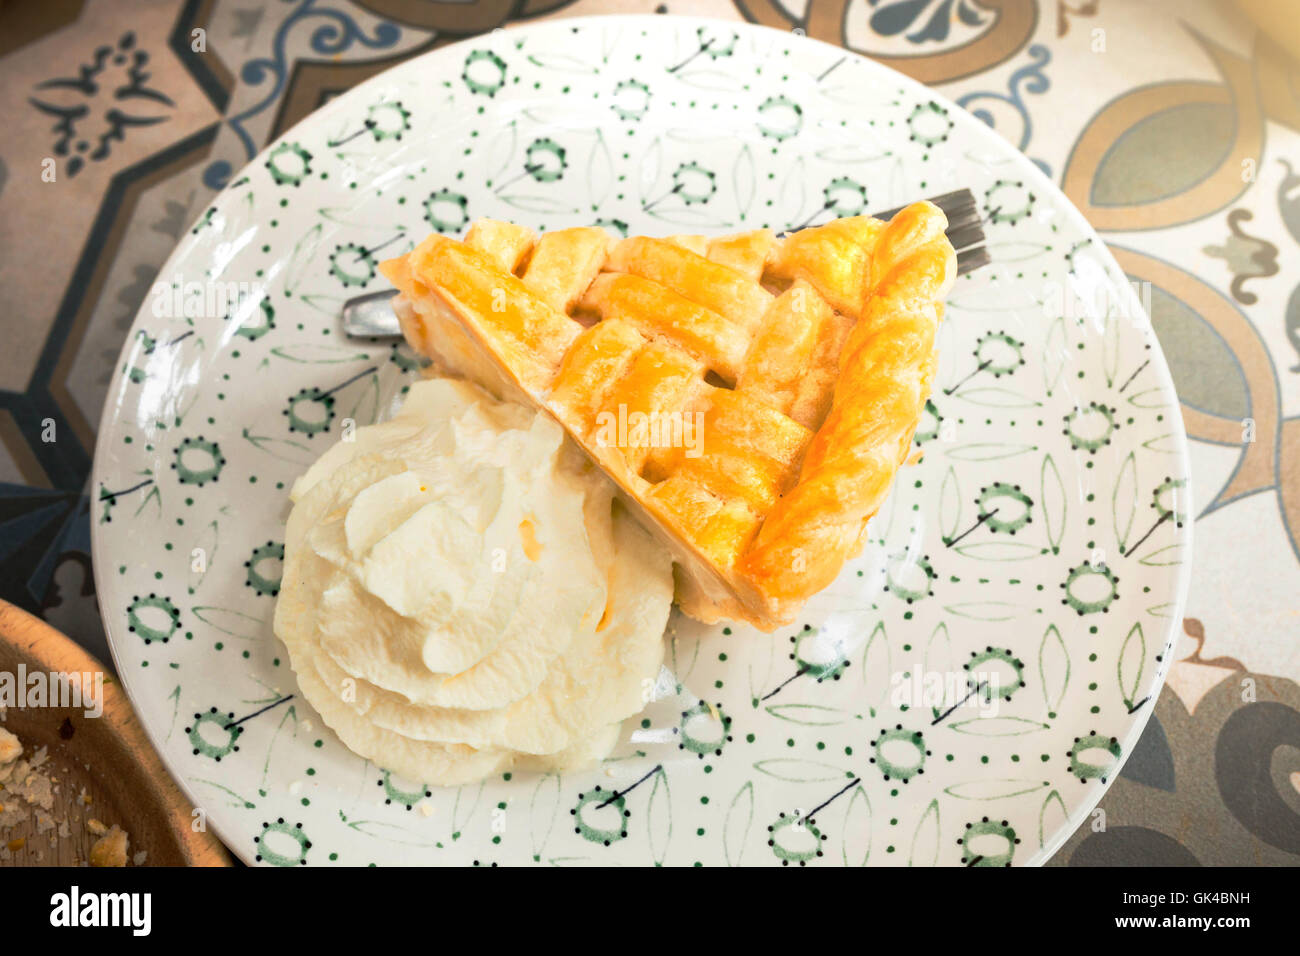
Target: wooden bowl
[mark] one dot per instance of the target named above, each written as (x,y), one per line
(108,757)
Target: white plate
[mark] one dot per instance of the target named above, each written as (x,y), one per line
(1039,545)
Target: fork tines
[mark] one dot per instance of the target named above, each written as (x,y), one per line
(965,227)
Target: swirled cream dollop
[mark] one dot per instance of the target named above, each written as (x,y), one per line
(462,594)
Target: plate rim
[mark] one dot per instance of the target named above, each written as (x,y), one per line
(1025,166)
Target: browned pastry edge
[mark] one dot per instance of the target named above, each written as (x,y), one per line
(886,369)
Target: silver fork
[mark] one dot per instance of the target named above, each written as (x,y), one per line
(371,315)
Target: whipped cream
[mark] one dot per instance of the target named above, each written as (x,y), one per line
(461,593)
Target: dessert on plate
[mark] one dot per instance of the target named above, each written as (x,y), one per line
(462,594)
(751,396)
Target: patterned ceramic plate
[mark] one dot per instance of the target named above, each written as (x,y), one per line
(961,695)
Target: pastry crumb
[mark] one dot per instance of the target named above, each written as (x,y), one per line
(110,849)
(11,749)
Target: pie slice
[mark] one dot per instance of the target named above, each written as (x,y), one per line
(753,397)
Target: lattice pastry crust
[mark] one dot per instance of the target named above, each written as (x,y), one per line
(804,362)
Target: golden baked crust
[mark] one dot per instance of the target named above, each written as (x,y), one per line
(752,396)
